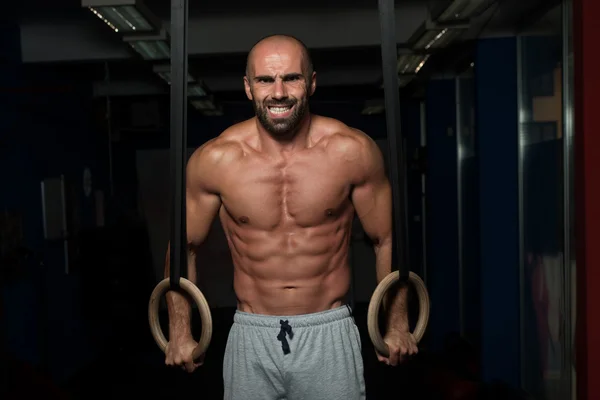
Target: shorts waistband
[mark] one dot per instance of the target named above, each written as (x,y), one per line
(301,320)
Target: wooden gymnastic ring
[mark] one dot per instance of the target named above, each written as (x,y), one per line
(375,304)
(205,315)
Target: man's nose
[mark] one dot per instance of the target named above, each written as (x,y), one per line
(279,90)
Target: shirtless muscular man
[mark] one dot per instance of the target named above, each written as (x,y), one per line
(286,185)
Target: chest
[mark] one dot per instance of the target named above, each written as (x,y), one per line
(305,191)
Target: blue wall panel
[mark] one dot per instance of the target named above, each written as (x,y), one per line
(497,147)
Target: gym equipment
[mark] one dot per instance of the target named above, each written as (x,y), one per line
(400,248)
(375,304)
(178,243)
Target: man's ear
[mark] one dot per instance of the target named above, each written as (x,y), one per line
(313,83)
(247,88)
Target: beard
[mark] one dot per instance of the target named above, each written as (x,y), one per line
(285,125)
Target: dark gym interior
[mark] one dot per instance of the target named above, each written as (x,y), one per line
(85,205)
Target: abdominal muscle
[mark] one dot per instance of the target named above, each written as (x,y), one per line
(292,271)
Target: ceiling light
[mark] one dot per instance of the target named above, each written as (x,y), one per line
(164,71)
(373,107)
(125,16)
(460,10)
(150,47)
(196,91)
(404,80)
(204,104)
(411,63)
(437,38)
(213,113)
(373,110)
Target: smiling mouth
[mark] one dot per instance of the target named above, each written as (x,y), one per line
(280,111)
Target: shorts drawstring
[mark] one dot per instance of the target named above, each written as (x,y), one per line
(285,328)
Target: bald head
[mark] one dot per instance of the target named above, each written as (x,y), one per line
(279,81)
(287,44)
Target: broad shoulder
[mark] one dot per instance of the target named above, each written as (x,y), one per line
(347,142)
(208,162)
(226,148)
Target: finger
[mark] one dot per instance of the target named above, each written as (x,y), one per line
(394,356)
(190,367)
(200,360)
(404,353)
(415,349)
(383,359)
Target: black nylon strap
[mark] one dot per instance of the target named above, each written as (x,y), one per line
(179,19)
(389,54)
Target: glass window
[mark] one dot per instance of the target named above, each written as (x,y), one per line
(545,194)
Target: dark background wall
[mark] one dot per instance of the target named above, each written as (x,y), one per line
(46,132)
(497,148)
(442,208)
(55,126)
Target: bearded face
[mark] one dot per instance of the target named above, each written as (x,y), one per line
(281,116)
(279,81)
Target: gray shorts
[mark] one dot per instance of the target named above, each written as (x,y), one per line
(310,357)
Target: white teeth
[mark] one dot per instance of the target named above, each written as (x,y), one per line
(279,110)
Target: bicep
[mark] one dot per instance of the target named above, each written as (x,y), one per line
(372,195)
(201,210)
(201,196)
(372,202)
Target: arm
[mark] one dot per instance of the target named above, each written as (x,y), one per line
(202,206)
(372,199)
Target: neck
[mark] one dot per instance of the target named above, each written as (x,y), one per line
(289,142)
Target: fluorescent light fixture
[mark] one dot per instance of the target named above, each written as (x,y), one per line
(125,16)
(411,63)
(404,80)
(373,107)
(437,38)
(373,110)
(204,104)
(164,71)
(461,10)
(196,91)
(431,35)
(213,113)
(150,47)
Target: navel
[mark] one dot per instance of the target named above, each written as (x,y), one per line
(243,219)
(329,212)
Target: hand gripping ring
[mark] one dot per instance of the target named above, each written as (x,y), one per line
(205,315)
(375,304)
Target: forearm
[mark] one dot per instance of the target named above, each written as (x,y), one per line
(395,304)
(397,309)
(178,305)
